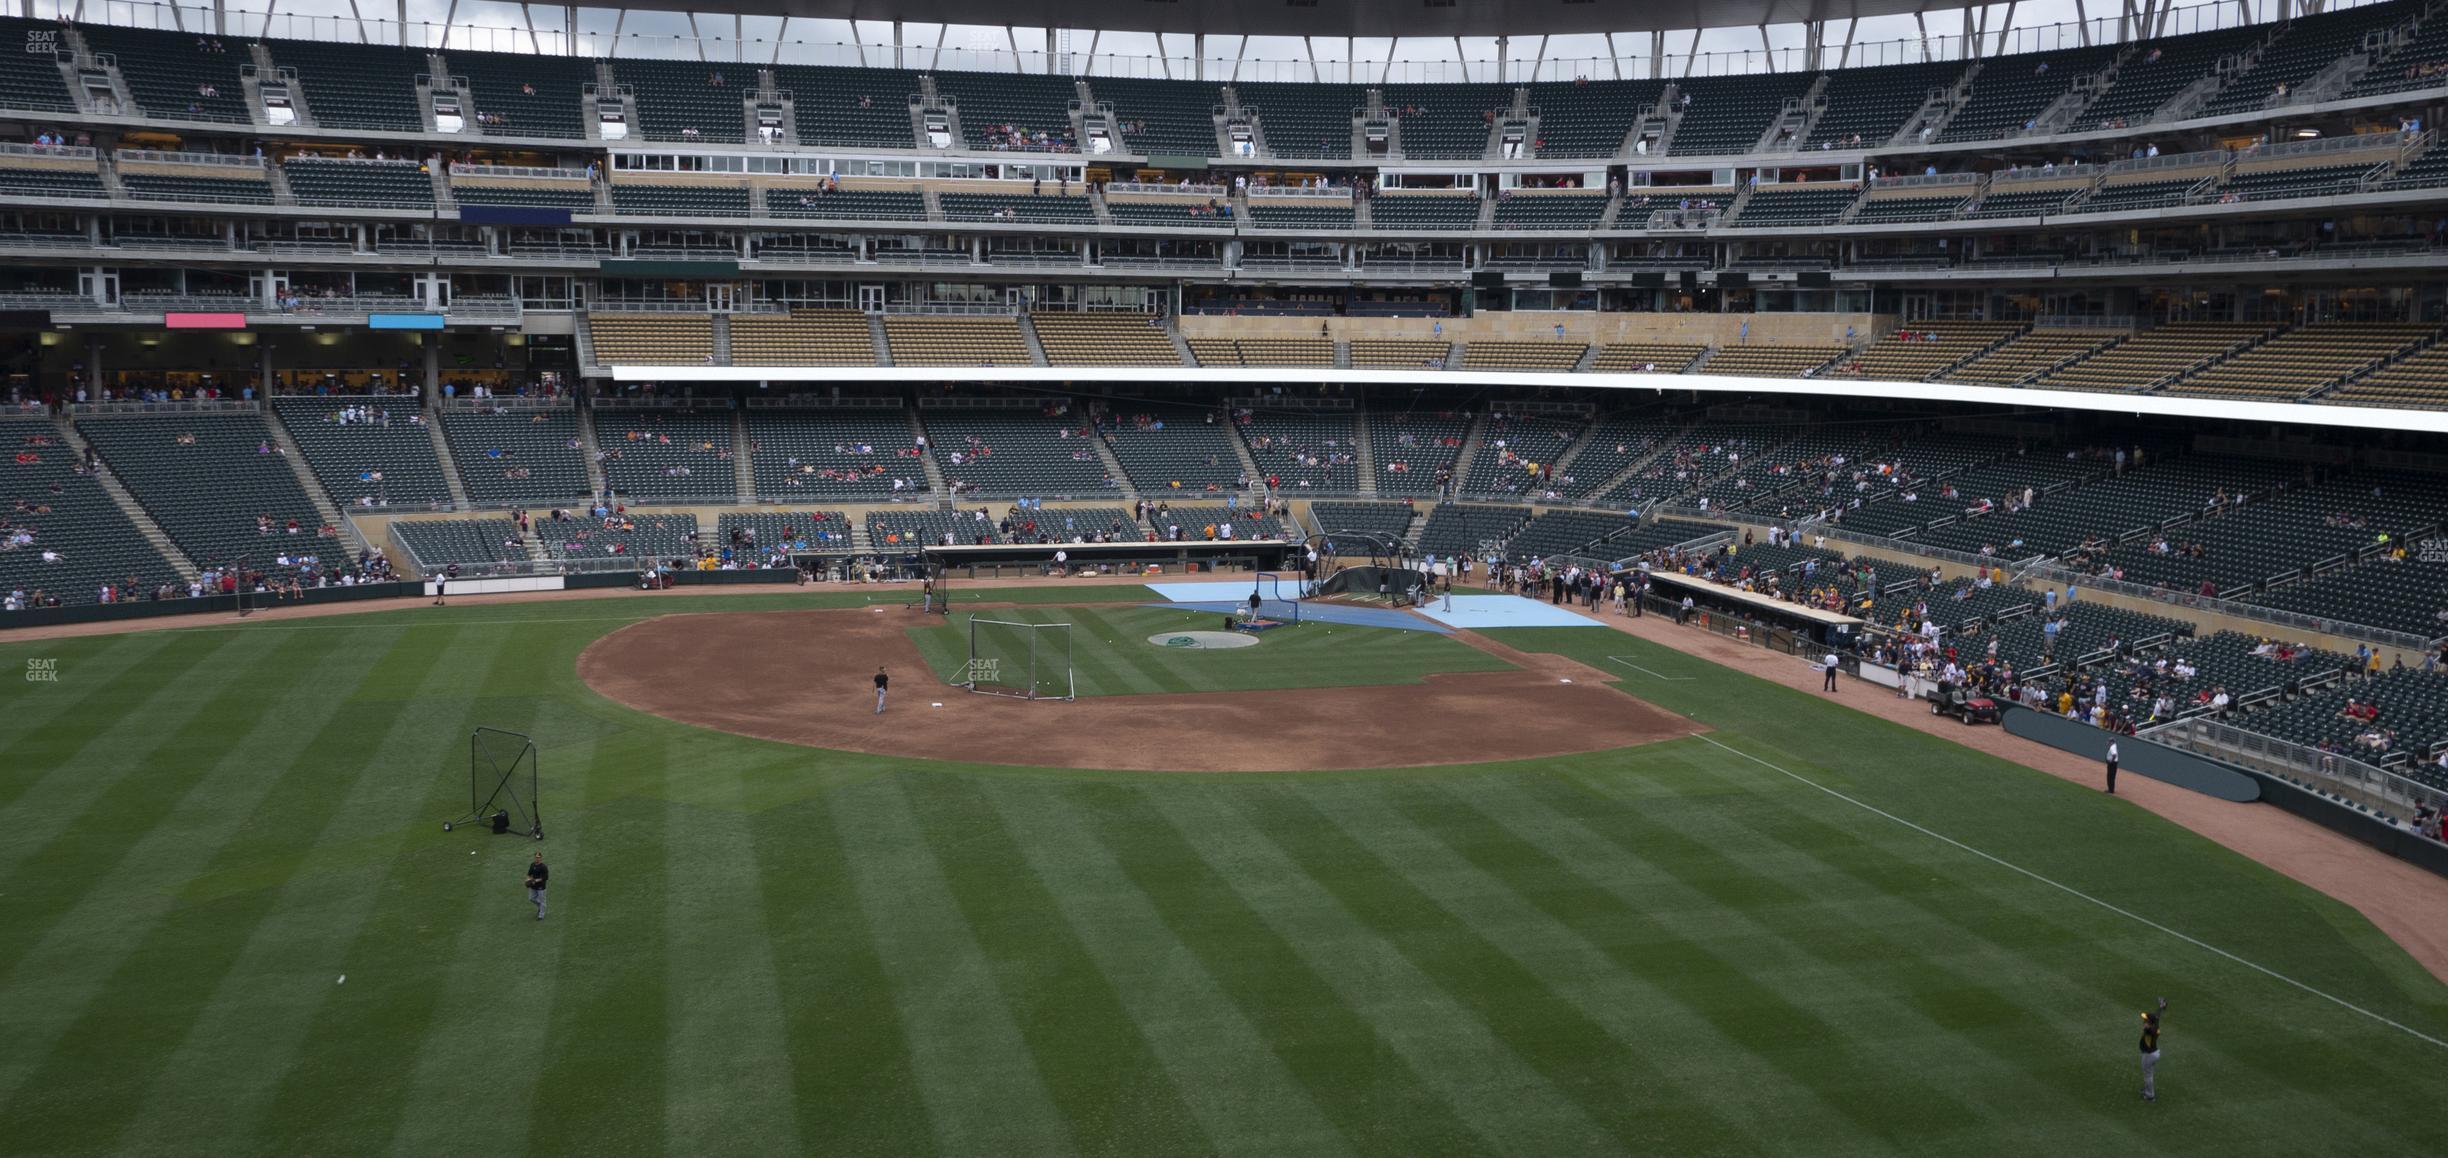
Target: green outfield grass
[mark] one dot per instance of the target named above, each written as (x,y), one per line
(1111,655)
(1688,948)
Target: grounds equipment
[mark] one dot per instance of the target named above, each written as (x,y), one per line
(1030,661)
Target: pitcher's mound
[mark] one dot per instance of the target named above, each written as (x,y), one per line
(1203,639)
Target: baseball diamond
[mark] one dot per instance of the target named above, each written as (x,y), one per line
(1236,578)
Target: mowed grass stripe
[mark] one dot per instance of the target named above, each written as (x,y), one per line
(1117,655)
(1192,1028)
(600,1082)
(1576,1055)
(1109,1086)
(83,842)
(83,669)
(1350,1072)
(727,1066)
(481,1041)
(116,957)
(854,1087)
(223,1073)
(363,1037)
(2068,953)
(1664,996)
(1467,1064)
(981,1085)
(1849,978)
(113,716)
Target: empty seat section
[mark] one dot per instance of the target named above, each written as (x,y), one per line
(1540,355)
(1940,207)
(1770,361)
(31,80)
(217,486)
(623,540)
(2420,62)
(849,107)
(1455,529)
(645,200)
(1646,357)
(523,455)
(1216,352)
(1914,353)
(1398,354)
(802,338)
(1591,118)
(2030,353)
(2427,171)
(1564,211)
(673,97)
(2156,70)
(953,340)
(169,73)
(1002,110)
(90,540)
(2009,201)
(1425,211)
(473,545)
(852,204)
(1795,205)
(2417,379)
(1286,351)
(2298,181)
(365,448)
(1173,450)
(2152,356)
(1177,212)
(1304,120)
(652,339)
(1173,118)
(1300,213)
(1729,114)
(666,453)
(1102,339)
(39,179)
(2303,48)
(856,455)
(1868,106)
(2010,91)
(1386,521)
(575,196)
(1016,453)
(2301,361)
(1045,209)
(523,95)
(2128,196)
(356,86)
(1446,122)
(364,182)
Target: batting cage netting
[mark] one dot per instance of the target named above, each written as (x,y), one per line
(1279,597)
(1029,660)
(502,784)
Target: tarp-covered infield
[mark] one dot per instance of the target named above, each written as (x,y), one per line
(1225,596)
(1479,612)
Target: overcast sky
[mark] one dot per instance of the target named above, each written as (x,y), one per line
(489,24)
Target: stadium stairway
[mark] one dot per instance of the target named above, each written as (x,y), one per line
(1241,452)
(1113,468)
(585,419)
(742,449)
(1364,454)
(1036,349)
(450,466)
(934,470)
(1471,437)
(877,337)
(325,508)
(128,505)
(1181,345)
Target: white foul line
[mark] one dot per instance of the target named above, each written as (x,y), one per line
(2072,891)
(1638,668)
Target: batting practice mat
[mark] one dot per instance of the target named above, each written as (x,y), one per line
(1227,596)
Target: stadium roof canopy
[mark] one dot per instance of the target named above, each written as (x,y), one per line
(1408,19)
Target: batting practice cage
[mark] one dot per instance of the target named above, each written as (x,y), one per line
(1279,599)
(1030,661)
(502,784)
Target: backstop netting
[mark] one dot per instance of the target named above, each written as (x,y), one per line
(1279,597)
(502,779)
(1031,661)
